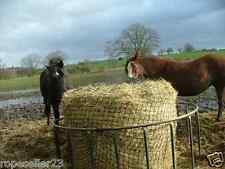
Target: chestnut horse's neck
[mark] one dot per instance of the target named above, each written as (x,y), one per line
(156,67)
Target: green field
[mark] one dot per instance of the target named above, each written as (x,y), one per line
(98,71)
(193,55)
(110,76)
(71,80)
(19,83)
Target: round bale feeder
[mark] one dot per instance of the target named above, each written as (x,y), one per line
(122,126)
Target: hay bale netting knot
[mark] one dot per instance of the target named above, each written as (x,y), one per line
(120,105)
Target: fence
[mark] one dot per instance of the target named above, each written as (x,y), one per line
(61,130)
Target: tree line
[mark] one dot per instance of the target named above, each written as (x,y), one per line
(29,65)
(137,37)
(34,61)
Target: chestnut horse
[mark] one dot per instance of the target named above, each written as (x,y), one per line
(189,78)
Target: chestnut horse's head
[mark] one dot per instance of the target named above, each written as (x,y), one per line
(134,68)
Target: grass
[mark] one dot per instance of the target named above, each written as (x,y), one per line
(19,83)
(95,66)
(193,55)
(72,80)
(100,71)
(110,76)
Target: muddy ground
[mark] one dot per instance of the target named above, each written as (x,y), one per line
(25,104)
(24,139)
(9,95)
(24,134)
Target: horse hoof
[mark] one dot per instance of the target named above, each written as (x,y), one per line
(56,121)
(219,119)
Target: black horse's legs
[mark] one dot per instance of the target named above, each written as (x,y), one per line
(47,112)
(219,91)
(56,112)
(47,109)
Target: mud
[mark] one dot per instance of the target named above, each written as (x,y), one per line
(9,95)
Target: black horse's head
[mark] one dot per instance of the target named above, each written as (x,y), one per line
(55,68)
(56,61)
(55,72)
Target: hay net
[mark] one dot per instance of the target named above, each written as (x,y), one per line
(109,106)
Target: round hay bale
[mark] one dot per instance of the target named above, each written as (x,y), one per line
(120,105)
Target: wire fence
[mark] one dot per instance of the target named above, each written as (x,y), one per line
(191,116)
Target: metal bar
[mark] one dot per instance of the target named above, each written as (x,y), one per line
(129,127)
(56,140)
(91,149)
(71,150)
(187,116)
(116,151)
(187,108)
(146,147)
(187,124)
(173,146)
(198,133)
(191,142)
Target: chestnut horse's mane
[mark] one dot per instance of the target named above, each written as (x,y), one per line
(157,57)
(189,77)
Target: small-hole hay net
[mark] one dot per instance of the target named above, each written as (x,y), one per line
(120,105)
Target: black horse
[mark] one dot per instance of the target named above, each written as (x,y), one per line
(52,87)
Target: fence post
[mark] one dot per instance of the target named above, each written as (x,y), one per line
(191,141)
(116,150)
(146,147)
(198,133)
(56,138)
(173,145)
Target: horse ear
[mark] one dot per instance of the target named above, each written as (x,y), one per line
(47,67)
(61,64)
(136,54)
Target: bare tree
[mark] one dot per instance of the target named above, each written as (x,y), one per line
(31,61)
(0,63)
(188,47)
(58,54)
(162,52)
(135,38)
(179,50)
(169,50)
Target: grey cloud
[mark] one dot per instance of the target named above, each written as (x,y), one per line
(81,28)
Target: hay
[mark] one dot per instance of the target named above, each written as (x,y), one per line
(118,106)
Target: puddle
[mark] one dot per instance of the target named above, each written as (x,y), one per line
(20,101)
(9,95)
(19,91)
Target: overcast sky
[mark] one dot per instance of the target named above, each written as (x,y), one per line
(81,28)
